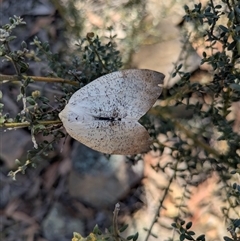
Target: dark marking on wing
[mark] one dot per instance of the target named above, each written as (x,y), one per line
(107,118)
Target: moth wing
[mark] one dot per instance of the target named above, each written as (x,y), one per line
(117,137)
(133,91)
(143,87)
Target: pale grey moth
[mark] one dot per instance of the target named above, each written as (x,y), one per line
(104,114)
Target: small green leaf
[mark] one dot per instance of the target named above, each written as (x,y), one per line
(236,222)
(23,67)
(96,230)
(191,233)
(182,222)
(44,99)
(12,20)
(174,225)
(135,237)
(2,120)
(10,38)
(33,165)
(30,100)
(17,162)
(179,67)
(130,237)
(201,237)
(24,44)
(235,87)
(182,237)
(186,8)
(188,237)
(227,238)
(238,46)
(123,228)
(188,225)
(232,45)
(223,28)
(38,127)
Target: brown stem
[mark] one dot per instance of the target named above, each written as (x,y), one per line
(26,124)
(14,78)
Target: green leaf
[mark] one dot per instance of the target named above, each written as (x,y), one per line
(30,100)
(182,222)
(236,222)
(24,44)
(44,99)
(235,87)
(10,38)
(201,237)
(23,67)
(2,120)
(123,228)
(174,225)
(223,28)
(186,8)
(96,230)
(188,237)
(232,45)
(238,46)
(227,238)
(191,233)
(130,237)
(188,225)
(179,67)
(182,237)
(17,162)
(135,237)
(38,127)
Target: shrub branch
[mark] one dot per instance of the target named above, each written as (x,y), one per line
(15,79)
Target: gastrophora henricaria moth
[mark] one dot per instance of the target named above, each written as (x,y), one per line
(104,114)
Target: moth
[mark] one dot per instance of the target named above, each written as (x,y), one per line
(104,114)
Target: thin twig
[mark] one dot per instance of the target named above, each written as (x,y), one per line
(157,213)
(26,124)
(14,78)
(115,221)
(116,234)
